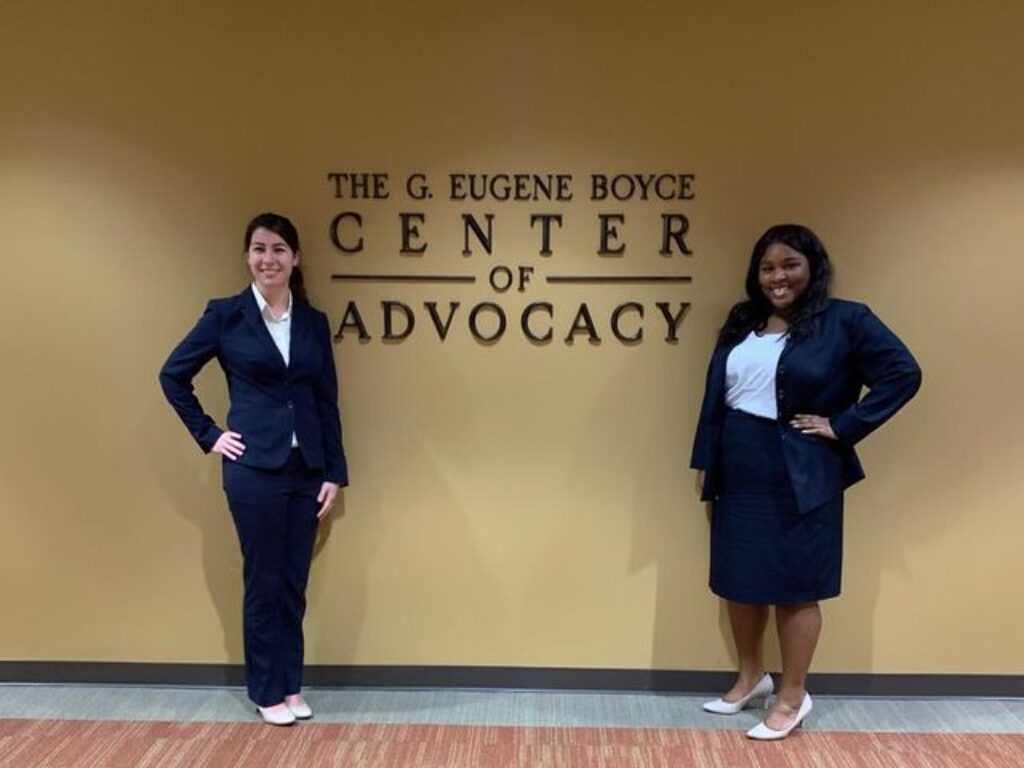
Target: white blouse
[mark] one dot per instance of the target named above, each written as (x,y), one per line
(750,374)
(280,329)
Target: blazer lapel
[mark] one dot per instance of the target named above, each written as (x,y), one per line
(787,347)
(251,313)
(791,342)
(302,330)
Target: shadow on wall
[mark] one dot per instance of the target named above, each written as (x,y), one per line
(190,482)
(344,605)
(670,533)
(420,526)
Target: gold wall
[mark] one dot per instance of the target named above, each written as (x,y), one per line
(512,503)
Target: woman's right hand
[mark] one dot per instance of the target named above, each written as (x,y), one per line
(229,444)
(699,485)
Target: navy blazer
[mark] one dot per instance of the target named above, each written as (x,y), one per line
(269,400)
(822,374)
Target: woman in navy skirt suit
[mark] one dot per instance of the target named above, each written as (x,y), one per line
(282,457)
(774,449)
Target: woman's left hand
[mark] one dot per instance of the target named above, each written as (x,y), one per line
(328,493)
(810,424)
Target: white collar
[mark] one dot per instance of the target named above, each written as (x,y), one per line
(265,310)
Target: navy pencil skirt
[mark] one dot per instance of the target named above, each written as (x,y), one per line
(763,550)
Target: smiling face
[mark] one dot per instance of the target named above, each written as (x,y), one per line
(271,261)
(784,275)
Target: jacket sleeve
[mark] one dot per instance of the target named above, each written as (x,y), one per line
(886,367)
(326,392)
(200,345)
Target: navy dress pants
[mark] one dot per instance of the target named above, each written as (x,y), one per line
(275,516)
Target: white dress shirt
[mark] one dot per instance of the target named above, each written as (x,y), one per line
(280,329)
(750,374)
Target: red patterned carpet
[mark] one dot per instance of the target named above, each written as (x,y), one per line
(90,744)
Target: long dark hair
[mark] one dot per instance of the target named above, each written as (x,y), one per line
(283,228)
(753,314)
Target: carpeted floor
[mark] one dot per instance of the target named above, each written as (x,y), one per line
(94,744)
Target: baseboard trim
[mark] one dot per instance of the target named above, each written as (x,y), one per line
(535,678)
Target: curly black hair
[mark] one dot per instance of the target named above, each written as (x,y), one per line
(753,314)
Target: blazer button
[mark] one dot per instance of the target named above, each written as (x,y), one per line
(289,403)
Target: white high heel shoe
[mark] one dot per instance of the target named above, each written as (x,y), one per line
(758,696)
(762,732)
(279,714)
(297,704)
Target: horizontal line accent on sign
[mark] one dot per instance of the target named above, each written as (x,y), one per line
(406,278)
(609,279)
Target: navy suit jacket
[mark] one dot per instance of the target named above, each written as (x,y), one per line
(821,374)
(269,400)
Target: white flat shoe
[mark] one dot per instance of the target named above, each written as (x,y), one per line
(758,696)
(299,708)
(762,732)
(279,714)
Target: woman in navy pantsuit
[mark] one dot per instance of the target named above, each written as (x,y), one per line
(774,451)
(283,460)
